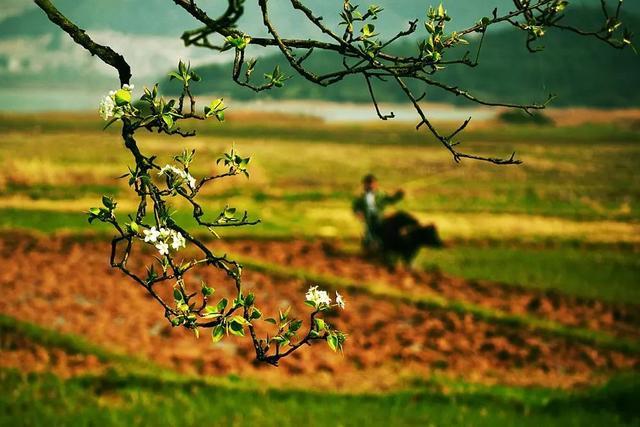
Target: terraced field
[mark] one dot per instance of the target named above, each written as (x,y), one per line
(529,316)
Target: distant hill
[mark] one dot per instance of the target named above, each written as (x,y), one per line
(35,54)
(579,70)
(161,17)
(33,51)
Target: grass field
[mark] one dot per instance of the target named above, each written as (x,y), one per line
(115,400)
(134,395)
(563,228)
(570,193)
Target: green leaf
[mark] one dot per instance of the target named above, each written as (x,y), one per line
(215,108)
(229,213)
(206,290)
(284,314)
(280,340)
(211,312)
(122,97)
(222,305)
(295,325)
(270,320)
(320,324)
(236,327)
(217,333)
(168,119)
(238,302)
(240,319)
(151,274)
(110,122)
(368,30)
(108,202)
(238,42)
(182,68)
(174,75)
(430,28)
(333,343)
(242,164)
(177,295)
(256,314)
(250,298)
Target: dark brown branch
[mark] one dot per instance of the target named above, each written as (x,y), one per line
(105,53)
(375,102)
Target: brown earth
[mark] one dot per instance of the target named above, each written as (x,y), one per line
(326,258)
(20,353)
(67,285)
(578,116)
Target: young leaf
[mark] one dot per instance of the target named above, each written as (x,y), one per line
(217,333)
(122,97)
(332,341)
(320,324)
(206,290)
(222,305)
(168,119)
(174,75)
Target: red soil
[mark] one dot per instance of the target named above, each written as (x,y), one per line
(68,286)
(325,258)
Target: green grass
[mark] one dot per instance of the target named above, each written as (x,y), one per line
(118,400)
(129,395)
(303,174)
(46,221)
(607,274)
(586,172)
(61,192)
(311,129)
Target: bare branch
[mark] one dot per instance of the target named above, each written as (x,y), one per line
(105,53)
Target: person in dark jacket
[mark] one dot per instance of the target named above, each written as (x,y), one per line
(369,207)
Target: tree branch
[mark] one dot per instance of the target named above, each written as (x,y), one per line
(105,53)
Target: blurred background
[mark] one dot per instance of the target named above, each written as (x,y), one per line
(529,316)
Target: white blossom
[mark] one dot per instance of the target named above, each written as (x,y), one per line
(339,300)
(191,181)
(163,248)
(318,297)
(151,235)
(177,240)
(107,107)
(164,238)
(164,233)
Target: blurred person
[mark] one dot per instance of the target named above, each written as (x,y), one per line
(369,207)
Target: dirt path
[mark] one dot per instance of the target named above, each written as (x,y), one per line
(68,286)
